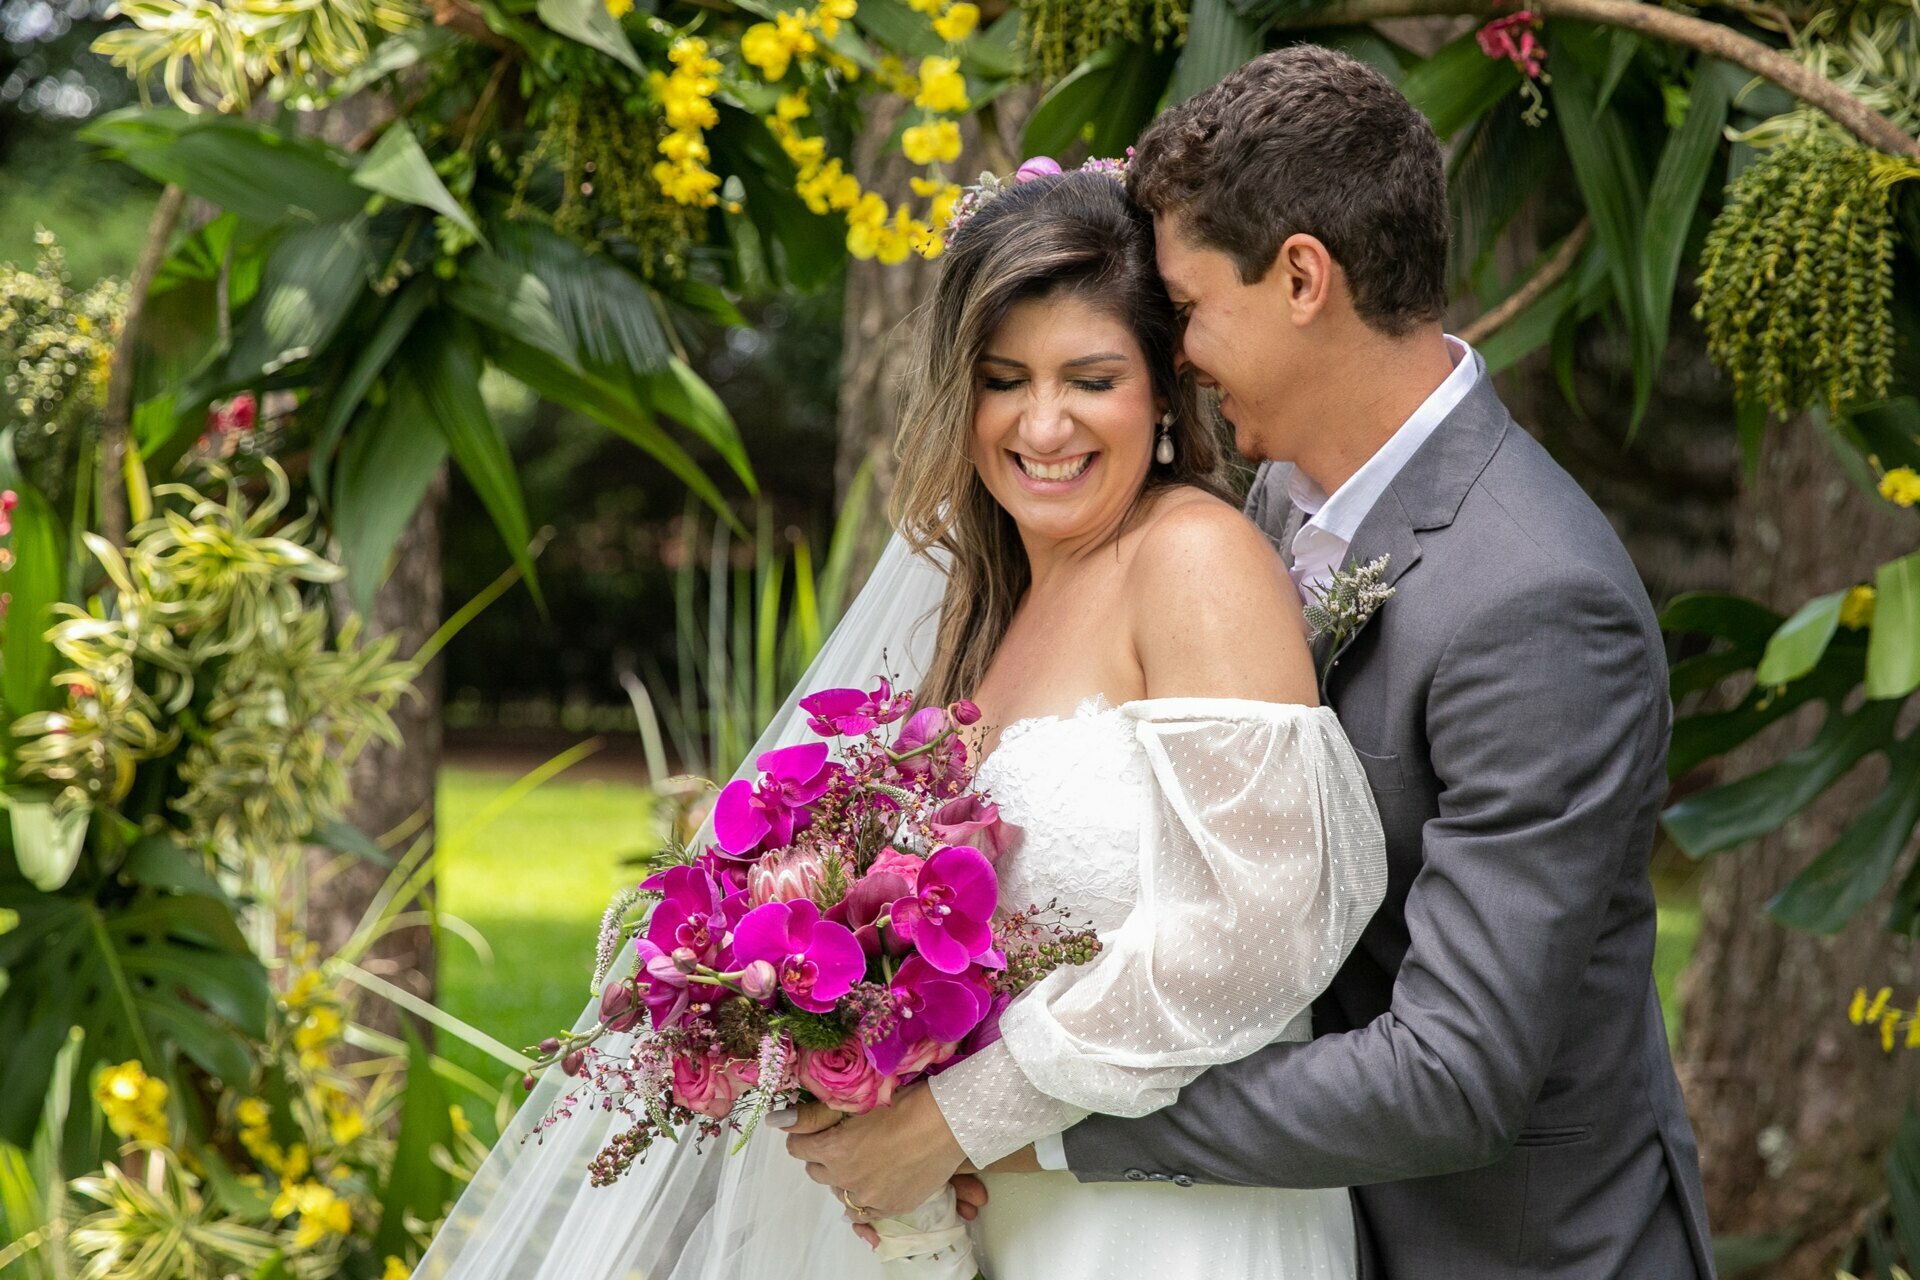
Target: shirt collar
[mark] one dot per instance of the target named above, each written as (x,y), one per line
(1341,513)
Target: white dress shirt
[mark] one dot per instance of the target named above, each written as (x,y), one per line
(1321,544)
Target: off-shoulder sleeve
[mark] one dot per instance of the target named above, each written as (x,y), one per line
(1262,861)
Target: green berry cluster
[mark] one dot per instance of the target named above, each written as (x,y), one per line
(1058,35)
(1796,280)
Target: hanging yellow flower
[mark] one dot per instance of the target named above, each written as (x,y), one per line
(956,24)
(134,1103)
(942,87)
(322,1213)
(1856,611)
(1901,486)
(935,142)
(686,98)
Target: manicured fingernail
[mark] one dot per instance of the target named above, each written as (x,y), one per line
(784,1117)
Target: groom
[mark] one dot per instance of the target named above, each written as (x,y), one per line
(1491,1073)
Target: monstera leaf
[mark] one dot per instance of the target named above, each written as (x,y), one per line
(1809,657)
(149,965)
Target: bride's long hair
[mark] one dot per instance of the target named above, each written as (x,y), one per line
(1074,235)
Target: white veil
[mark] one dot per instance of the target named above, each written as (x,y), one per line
(687,1212)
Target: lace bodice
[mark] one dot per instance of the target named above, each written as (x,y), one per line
(1079,789)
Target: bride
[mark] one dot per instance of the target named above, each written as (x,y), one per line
(1141,648)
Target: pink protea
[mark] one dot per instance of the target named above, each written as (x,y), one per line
(786,874)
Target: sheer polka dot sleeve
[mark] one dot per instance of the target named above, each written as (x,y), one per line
(1261,863)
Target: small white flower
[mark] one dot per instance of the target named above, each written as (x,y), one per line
(1344,605)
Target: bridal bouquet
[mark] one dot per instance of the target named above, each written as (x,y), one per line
(837,940)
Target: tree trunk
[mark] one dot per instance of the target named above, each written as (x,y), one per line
(393,787)
(1794,1106)
(876,353)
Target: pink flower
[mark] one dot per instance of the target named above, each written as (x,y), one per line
(966,712)
(818,960)
(1038,167)
(784,875)
(1512,38)
(974,820)
(844,1079)
(947,916)
(8,501)
(618,1008)
(849,712)
(708,1086)
(926,742)
(893,862)
(929,1008)
(237,414)
(750,817)
(872,897)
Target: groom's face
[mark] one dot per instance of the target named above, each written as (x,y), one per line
(1240,338)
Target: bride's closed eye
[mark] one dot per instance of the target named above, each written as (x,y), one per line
(1014,384)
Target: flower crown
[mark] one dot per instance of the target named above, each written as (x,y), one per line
(991,187)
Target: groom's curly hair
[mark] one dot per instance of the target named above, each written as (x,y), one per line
(1304,139)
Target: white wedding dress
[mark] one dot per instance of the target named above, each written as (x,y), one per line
(1227,852)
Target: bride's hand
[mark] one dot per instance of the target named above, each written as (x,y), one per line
(969,1197)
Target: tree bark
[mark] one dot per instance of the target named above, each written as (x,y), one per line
(876,353)
(393,787)
(1794,1106)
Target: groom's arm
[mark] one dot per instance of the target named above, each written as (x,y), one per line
(1547,720)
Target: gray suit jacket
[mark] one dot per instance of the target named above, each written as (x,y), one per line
(1490,1071)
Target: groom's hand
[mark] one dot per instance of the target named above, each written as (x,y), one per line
(889,1160)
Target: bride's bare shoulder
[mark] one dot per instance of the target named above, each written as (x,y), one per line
(1214,613)
(1190,533)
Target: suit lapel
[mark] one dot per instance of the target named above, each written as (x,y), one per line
(1425,496)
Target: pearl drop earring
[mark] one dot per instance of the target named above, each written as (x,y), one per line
(1163,447)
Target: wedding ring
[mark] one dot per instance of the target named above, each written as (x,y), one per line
(861,1210)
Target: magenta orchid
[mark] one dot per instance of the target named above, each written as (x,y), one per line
(948,916)
(929,1006)
(818,960)
(869,902)
(852,713)
(928,743)
(752,817)
(694,914)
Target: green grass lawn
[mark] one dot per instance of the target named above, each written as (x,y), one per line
(535,879)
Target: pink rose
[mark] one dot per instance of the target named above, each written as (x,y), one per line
(972,819)
(904,865)
(709,1085)
(924,1055)
(844,1079)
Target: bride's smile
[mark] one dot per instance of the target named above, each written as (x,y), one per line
(1063,422)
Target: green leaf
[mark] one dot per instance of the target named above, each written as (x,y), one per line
(1903,1182)
(1497,165)
(502,295)
(1220,39)
(396,320)
(159,862)
(682,395)
(164,971)
(398,167)
(1736,812)
(264,176)
(313,278)
(605,312)
(1851,871)
(611,404)
(347,838)
(808,248)
(1536,324)
(1613,187)
(384,469)
(34,580)
(589,22)
(415,1184)
(1893,651)
(1459,84)
(1797,647)
(447,360)
(46,843)
(1727,617)
(1110,97)
(1672,201)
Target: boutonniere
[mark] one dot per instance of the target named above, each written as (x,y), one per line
(1339,609)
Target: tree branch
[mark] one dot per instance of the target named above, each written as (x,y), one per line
(1527,294)
(1711,38)
(116,421)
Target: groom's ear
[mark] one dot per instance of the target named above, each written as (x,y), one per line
(1305,277)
